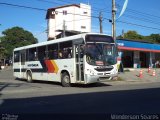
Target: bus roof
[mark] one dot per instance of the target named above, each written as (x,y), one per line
(74,37)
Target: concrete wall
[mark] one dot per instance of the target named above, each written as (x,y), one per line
(76,18)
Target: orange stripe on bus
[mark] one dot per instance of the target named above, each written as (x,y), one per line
(55,66)
(51,66)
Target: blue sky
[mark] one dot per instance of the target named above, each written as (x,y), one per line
(142,16)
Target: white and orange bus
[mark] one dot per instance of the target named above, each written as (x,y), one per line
(84,58)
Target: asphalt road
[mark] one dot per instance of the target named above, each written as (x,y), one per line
(41,99)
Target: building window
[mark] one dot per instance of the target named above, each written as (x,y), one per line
(83,27)
(51,15)
(84,12)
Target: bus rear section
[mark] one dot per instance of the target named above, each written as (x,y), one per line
(50,61)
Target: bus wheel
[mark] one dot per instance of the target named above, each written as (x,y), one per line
(65,80)
(29,76)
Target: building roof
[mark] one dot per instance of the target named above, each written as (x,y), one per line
(75,5)
(137,46)
(142,41)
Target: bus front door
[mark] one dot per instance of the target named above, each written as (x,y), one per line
(79,53)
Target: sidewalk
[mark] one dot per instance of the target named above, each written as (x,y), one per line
(133,76)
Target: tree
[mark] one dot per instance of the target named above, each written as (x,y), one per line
(16,37)
(133,35)
(155,38)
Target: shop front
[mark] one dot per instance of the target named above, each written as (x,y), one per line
(135,54)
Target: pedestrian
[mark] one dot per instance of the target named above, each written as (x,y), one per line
(157,64)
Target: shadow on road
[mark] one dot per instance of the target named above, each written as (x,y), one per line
(4,85)
(98,84)
(92,85)
(143,101)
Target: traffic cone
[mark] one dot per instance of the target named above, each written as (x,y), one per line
(149,69)
(141,74)
(154,73)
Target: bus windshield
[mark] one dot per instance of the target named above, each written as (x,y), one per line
(101,54)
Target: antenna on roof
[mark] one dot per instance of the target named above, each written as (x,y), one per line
(88,2)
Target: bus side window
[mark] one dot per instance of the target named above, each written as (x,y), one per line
(60,54)
(32,54)
(66,48)
(27,54)
(16,56)
(41,52)
(53,51)
(69,51)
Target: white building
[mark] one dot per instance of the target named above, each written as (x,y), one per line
(74,17)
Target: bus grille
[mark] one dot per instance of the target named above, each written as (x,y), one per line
(103,69)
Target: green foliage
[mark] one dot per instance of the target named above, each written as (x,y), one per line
(16,37)
(133,35)
(155,38)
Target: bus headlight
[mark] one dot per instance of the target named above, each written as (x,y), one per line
(115,71)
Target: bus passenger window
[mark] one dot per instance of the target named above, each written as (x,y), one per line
(27,54)
(53,51)
(66,48)
(60,54)
(69,52)
(32,54)
(16,56)
(41,52)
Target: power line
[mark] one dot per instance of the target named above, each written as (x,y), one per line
(148,17)
(139,25)
(139,12)
(142,19)
(93,8)
(142,13)
(33,8)
(77,20)
(21,6)
(59,25)
(40,9)
(47,1)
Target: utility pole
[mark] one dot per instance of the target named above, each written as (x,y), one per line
(122,33)
(100,22)
(64,28)
(113,19)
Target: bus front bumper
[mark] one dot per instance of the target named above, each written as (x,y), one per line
(100,78)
